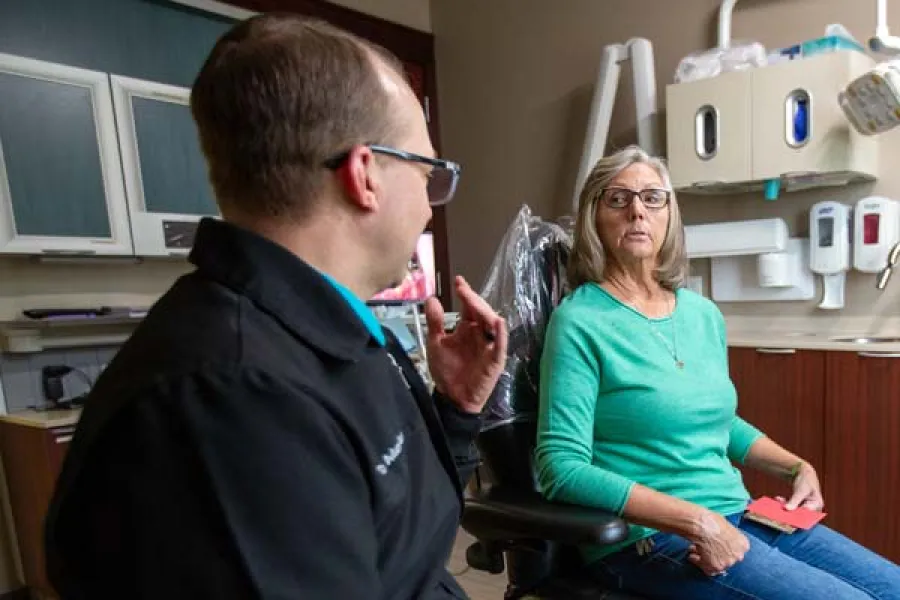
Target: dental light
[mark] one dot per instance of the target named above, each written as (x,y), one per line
(871,102)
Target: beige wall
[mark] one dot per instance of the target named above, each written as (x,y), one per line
(515,79)
(412,13)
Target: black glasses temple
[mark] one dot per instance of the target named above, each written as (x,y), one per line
(336,161)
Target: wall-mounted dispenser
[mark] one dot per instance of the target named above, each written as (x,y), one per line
(753,261)
(736,238)
(830,229)
(876,228)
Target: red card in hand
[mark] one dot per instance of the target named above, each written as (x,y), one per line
(772,509)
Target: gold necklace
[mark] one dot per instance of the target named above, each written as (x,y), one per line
(673,347)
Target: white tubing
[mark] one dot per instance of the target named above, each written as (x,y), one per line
(725,10)
(600,115)
(644,75)
(881,26)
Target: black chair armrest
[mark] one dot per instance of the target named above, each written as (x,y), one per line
(515,515)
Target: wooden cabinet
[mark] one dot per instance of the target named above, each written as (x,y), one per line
(61,189)
(841,411)
(33,454)
(862,459)
(781,391)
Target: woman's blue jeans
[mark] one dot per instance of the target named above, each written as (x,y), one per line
(807,565)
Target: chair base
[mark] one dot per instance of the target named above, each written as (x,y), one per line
(534,572)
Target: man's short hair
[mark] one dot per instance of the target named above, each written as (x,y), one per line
(279,95)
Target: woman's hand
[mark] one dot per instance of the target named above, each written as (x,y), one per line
(717,545)
(807,491)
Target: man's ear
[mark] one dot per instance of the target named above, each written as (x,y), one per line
(359,178)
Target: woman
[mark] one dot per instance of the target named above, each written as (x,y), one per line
(638,417)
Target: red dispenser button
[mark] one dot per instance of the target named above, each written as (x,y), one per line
(870,228)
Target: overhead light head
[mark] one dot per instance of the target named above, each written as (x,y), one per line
(883,43)
(871,102)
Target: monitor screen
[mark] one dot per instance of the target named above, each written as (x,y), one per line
(419,283)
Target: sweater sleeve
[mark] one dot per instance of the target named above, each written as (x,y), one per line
(569,385)
(742,434)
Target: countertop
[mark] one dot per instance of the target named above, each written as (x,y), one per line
(800,340)
(47,419)
(753,333)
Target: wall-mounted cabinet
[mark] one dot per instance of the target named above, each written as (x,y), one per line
(708,123)
(96,164)
(61,189)
(165,173)
(782,121)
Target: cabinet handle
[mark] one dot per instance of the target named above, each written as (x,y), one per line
(879,354)
(64,252)
(63,439)
(777,350)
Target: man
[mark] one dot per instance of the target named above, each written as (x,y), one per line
(260,436)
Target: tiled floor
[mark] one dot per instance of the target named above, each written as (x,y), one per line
(478,584)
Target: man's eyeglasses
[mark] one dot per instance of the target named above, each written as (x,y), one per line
(619,197)
(442,178)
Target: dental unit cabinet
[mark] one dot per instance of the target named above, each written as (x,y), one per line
(774,127)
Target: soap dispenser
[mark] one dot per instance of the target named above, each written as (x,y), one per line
(876,228)
(830,240)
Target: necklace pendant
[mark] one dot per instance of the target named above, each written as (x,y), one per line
(679,364)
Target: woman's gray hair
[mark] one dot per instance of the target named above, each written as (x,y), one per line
(587,261)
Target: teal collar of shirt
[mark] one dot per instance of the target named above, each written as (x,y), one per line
(362,311)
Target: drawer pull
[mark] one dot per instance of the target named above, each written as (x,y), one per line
(880,354)
(777,350)
(63,439)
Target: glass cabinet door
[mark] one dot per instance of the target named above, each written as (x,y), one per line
(165,171)
(61,187)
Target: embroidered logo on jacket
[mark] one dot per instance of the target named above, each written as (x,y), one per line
(399,370)
(391,455)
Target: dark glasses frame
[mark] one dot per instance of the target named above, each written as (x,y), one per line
(642,194)
(439,167)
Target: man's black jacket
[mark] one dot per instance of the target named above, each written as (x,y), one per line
(253,440)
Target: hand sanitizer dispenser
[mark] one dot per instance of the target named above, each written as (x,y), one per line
(829,240)
(876,228)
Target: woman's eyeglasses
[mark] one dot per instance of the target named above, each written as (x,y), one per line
(619,197)
(443,177)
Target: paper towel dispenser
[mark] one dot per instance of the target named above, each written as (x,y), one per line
(736,238)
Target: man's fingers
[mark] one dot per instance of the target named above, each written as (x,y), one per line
(434,317)
(474,307)
(500,340)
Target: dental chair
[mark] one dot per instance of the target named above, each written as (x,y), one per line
(535,541)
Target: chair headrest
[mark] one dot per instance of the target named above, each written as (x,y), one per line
(526,281)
